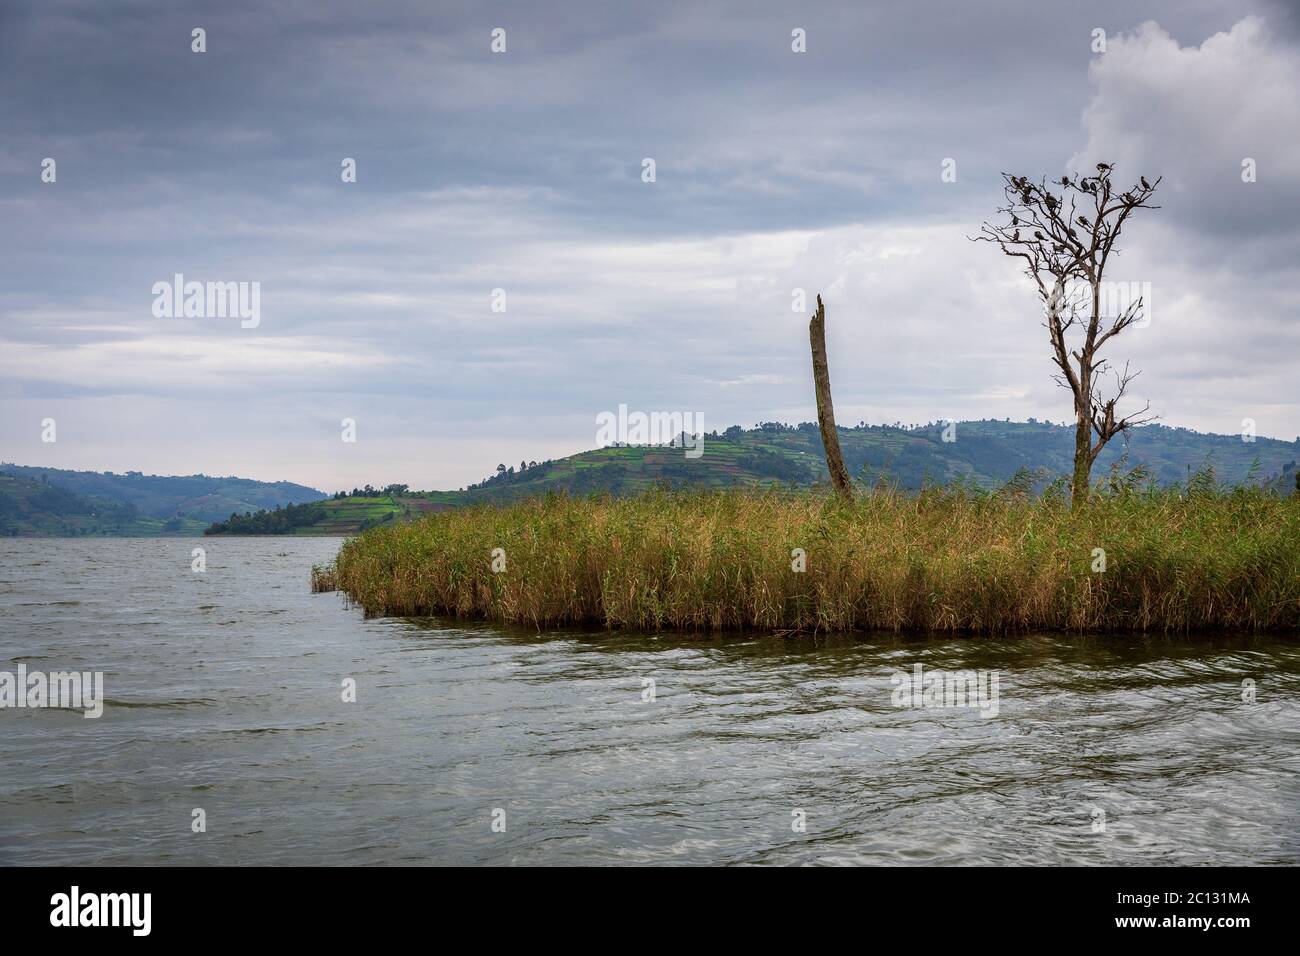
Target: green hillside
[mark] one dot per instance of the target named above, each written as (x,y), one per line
(985,453)
(30,507)
(340,515)
(35,501)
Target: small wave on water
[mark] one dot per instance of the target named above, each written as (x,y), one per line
(287,715)
(160,704)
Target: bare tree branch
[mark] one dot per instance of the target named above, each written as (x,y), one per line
(1065,252)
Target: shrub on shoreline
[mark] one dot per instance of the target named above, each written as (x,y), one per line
(947,560)
(323,578)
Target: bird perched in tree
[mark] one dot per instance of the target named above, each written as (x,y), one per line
(1102,167)
(1038,235)
(1016,236)
(1145,184)
(1082,221)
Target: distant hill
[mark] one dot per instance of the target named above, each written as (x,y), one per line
(55,501)
(29,507)
(342,514)
(26,504)
(985,453)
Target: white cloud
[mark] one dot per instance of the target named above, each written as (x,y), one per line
(1193,114)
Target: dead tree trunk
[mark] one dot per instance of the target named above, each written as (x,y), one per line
(1079,484)
(825,410)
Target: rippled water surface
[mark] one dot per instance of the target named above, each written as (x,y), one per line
(224,693)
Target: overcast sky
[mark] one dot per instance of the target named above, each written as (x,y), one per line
(522,171)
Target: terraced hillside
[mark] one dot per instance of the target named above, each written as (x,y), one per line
(335,516)
(986,453)
(983,453)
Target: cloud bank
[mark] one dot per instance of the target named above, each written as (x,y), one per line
(522,172)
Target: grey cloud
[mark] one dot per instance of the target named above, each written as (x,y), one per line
(522,172)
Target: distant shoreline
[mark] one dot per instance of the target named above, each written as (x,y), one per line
(985,454)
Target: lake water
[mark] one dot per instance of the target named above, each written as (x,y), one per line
(224,693)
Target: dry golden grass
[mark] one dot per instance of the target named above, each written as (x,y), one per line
(323,578)
(944,560)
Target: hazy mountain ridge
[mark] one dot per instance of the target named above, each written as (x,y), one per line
(30,507)
(985,453)
(35,501)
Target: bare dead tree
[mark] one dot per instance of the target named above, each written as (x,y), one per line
(825,409)
(1067,239)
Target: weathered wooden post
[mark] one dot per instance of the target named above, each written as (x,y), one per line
(826,410)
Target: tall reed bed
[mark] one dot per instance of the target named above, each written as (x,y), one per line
(941,560)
